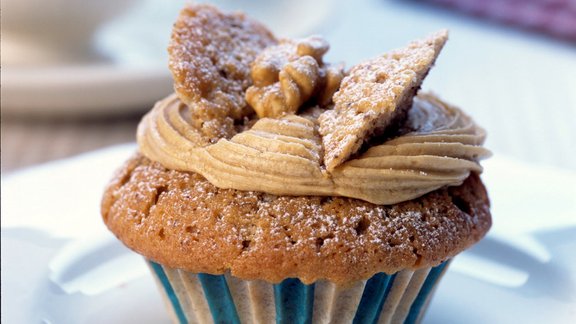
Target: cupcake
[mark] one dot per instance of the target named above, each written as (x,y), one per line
(276,187)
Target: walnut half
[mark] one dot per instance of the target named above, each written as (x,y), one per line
(287,75)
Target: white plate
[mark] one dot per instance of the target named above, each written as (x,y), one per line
(60,264)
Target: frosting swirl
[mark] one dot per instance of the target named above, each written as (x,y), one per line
(440,146)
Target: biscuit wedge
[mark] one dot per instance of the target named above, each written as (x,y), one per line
(375,95)
(210,54)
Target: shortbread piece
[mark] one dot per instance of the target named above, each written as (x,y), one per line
(210,57)
(374,95)
(291,73)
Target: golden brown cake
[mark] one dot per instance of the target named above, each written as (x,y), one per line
(276,187)
(181,220)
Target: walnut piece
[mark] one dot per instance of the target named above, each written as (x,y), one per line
(288,74)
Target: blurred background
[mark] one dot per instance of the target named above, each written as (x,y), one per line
(78,75)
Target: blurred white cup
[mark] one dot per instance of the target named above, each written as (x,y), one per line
(60,27)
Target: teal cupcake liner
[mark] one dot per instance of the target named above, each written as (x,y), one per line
(203,298)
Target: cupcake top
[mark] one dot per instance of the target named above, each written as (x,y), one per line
(271,163)
(254,113)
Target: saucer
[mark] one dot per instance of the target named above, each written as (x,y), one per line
(91,90)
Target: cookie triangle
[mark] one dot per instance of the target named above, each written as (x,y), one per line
(374,96)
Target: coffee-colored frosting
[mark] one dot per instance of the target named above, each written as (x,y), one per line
(439,146)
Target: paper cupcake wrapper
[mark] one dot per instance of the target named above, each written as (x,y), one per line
(203,298)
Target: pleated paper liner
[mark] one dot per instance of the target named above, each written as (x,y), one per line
(202,298)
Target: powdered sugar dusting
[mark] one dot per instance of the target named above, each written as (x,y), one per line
(181,220)
(210,57)
(373,95)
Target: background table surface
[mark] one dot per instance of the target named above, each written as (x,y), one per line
(519,85)
(28,142)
